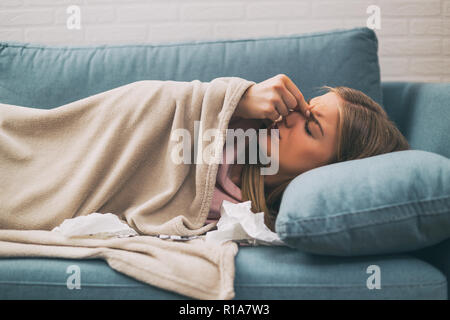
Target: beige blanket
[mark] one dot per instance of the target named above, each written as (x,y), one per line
(111,152)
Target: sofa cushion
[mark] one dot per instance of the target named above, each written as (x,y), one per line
(44,76)
(421,112)
(438,256)
(393,202)
(261,273)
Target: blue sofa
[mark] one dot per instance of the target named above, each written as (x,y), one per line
(27,71)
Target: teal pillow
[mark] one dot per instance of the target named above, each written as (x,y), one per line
(389,203)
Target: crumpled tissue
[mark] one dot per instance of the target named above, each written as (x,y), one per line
(238,222)
(98,225)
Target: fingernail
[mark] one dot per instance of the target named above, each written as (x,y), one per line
(308,113)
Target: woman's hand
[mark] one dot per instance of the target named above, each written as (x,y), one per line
(271,99)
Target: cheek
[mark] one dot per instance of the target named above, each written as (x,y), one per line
(267,149)
(294,153)
(301,153)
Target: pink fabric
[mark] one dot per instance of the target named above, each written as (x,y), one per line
(225,189)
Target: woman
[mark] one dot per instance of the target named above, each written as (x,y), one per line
(98,154)
(342,124)
(111,153)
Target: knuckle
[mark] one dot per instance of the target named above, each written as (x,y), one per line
(280,83)
(268,111)
(277,85)
(274,101)
(292,103)
(273,98)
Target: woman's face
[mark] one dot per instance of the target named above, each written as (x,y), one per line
(306,144)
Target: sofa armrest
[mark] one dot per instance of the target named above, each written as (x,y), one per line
(422,113)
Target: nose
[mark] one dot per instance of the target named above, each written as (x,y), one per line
(290,119)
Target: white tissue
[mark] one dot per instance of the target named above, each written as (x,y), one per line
(238,222)
(100,225)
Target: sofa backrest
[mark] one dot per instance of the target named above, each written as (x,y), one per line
(42,76)
(422,113)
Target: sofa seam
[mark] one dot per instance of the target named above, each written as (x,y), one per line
(397,205)
(441,283)
(298,235)
(56,284)
(430,284)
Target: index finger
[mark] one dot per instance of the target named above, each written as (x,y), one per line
(302,105)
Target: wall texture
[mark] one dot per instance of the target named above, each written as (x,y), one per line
(414,36)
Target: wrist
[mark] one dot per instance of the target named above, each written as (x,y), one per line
(241,106)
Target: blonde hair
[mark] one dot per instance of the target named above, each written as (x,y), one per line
(364,130)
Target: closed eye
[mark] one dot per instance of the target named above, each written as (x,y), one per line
(307,122)
(313,118)
(307,127)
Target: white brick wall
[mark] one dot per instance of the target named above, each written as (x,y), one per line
(414,36)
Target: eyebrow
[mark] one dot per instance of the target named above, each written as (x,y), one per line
(313,117)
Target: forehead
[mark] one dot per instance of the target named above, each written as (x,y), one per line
(326,104)
(326,99)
